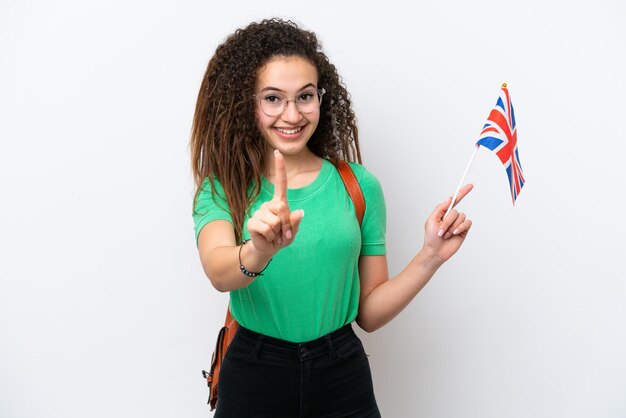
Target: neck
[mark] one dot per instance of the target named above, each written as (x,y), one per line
(301,169)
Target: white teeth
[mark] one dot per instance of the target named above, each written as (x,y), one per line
(289,131)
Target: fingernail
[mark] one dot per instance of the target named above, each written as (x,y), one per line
(276,152)
(288,234)
(448,235)
(456,231)
(440,233)
(279,241)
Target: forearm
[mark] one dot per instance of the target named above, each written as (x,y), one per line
(389,298)
(221,265)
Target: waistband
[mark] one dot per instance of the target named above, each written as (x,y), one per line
(304,350)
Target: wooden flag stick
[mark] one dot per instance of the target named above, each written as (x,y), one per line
(461,182)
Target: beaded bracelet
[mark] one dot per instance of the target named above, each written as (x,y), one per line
(243,269)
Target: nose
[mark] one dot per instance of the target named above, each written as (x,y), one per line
(291,113)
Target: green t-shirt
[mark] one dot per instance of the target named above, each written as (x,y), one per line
(311,287)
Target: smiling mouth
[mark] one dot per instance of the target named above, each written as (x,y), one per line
(289,131)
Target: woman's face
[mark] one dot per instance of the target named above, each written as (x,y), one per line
(292,81)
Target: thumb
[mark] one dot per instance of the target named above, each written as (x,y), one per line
(294,218)
(440,210)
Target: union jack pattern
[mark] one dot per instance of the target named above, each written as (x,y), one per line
(500,136)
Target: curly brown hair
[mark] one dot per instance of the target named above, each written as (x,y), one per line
(225,142)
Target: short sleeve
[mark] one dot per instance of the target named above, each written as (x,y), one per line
(374,227)
(210,206)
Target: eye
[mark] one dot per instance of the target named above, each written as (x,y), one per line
(306,96)
(273,99)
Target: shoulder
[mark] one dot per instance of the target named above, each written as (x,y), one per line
(213,186)
(210,193)
(210,205)
(374,222)
(211,190)
(367,180)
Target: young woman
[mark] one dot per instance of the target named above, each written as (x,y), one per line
(276,228)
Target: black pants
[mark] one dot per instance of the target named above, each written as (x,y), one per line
(266,377)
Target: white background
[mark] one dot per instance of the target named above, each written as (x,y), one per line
(104,309)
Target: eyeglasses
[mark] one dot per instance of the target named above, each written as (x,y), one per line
(274,104)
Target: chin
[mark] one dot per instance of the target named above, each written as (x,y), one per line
(289,148)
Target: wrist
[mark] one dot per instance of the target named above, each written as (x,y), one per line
(429,259)
(252,262)
(256,252)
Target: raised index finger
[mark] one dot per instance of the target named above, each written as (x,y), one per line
(280,177)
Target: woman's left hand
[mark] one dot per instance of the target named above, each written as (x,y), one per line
(443,237)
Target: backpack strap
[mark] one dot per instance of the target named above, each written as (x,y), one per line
(353,188)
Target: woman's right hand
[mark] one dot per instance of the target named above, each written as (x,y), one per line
(274,226)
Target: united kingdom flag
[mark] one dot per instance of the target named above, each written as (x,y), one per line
(500,135)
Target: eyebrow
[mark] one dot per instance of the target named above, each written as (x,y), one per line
(270,88)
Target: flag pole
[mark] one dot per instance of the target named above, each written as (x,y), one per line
(461,182)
